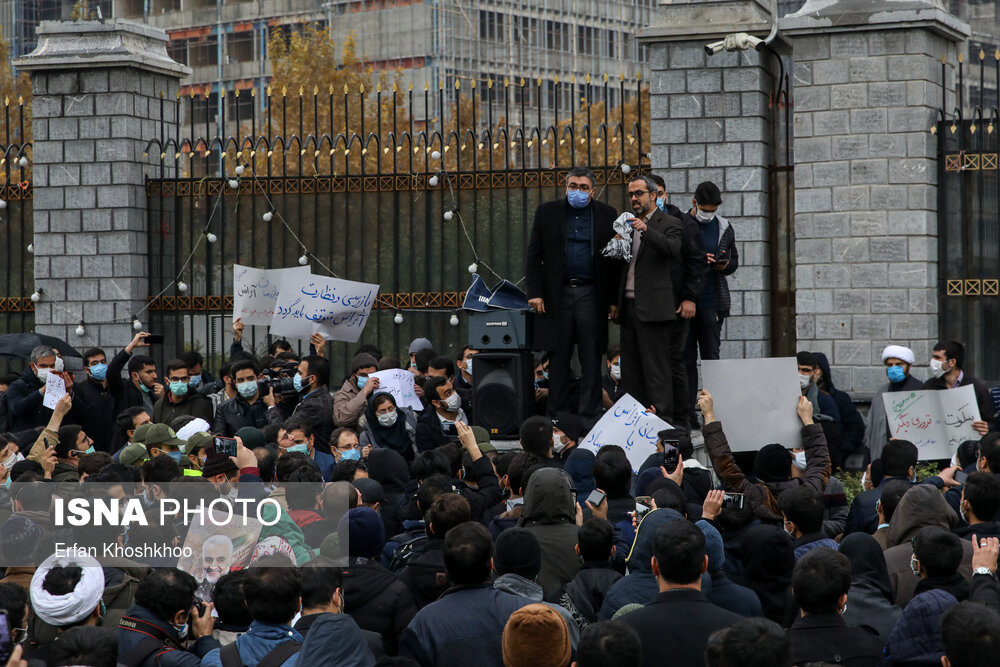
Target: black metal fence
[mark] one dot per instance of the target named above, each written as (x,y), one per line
(17,312)
(968,135)
(410,205)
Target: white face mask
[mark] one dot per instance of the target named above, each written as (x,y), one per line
(11,460)
(616,371)
(800,460)
(704,216)
(43,374)
(557,444)
(387,419)
(804,380)
(937,368)
(453,402)
(468,365)
(60,366)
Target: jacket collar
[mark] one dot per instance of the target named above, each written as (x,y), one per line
(820,621)
(679,595)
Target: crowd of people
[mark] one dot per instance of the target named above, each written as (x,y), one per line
(405,537)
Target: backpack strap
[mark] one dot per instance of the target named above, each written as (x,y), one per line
(279,654)
(146,647)
(230,656)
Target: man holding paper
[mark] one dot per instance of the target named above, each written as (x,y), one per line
(350,401)
(26,395)
(947,372)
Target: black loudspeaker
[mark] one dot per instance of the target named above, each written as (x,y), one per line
(504,391)
(501,330)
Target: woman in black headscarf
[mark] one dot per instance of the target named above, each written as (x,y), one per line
(769,558)
(390,426)
(870,601)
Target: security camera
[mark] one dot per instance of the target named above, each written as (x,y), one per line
(739,41)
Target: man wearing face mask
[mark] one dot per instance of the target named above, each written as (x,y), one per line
(142,388)
(567,430)
(248,408)
(180,399)
(721,259)
(436,424)
(97,404)
(316,405)
(25,396)
(897,360)
(301,439)
(825,411)
(947,373)
(612,381)
(161,439)
(571,287)
(350,401)
(652,332)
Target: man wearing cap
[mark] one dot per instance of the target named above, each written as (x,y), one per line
(351,399)
(416,345)
(134,453)
(196,450)
(567,429)
(161,439)
(312,382)
(897,361)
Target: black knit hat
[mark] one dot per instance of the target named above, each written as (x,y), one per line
(517,552)
(773,463)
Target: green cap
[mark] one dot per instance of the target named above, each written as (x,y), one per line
(139,434)
(133,454)
(483,440)
(161,434)
(197,439)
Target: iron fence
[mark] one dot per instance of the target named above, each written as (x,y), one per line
(16,222)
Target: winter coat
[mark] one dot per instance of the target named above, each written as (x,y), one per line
(550,514)
(425,573)
(987,412)
(916,639)
(807,543)
(234,414)
(826,638)
(850,419)
(731,596)
(877,428)
(169,653)
(97,412)
(257,642)
(337,640)
(316,409)
(349,404)
(727,243)
(377,600)
(192,403)
(835,507)
(921,506)
(515,584)
(123,389)
(584,596)
(870,601)
(464,627)
(763,497)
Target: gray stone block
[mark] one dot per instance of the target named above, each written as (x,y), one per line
(869,275)
(81,197)
(803,177)
(815,200)
(869,172)
(854,43)
(918,119)
(805,327)
(60,174)
(851,198)
(922,249)
(829,225)
(910,326)
(81,150)
(748,327)
(97,220)
(756,303)
(923,94)
(888,145)
(63,128)
(868,121)
(47,152)
(923,41)
(96,174)
(921,197)
(752,253)
(828,174)
(850,250)
(98,311)
(94,81)
(50,244)
(658,56)
(705,131)
(745,179)
(724,105)
(95,128)
(738,79)
(912,274)
(888,250)
(848,96)
(852,353)
(803,124)
(911,68)
(700,81)
(912,222)
(850,148)
(119,243)
(83,290)
(45,106)
(867,327)
(804,277)
(724,155)
(48,199)
(887,94)
(812,98)
(687,55)
(831,122)
(78,105)
(670,83)
(100,266)
(687,155)
(802,74)
(831,275)
(868,69)
(812,301)
(744,129)
(115,196)
(922,301)
(659,107)
(64,83)
(889,301)
(669,132)
(826,72)
(866,380)
(812,251)
(41,265)
(125,80)
(66,266)
(816,148)
(889,198)
(912,171)
(833,326)
(67,220)
(886,42)
(812,47)
(921,145)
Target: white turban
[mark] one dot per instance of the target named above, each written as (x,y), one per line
(898,352)
(61,610)
(196,425)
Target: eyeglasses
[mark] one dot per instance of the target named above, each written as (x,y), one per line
(581,188)
(636,194)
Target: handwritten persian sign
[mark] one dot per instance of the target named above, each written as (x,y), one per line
(255,292)
(399,383)
(756,400)
(338,309)
(55,388)
(937,422)
(628,425)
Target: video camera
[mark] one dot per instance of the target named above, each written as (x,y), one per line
(279,377)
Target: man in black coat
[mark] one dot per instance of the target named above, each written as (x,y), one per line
(820,583)
(97,416)
(652,333)
(571,286)
(678,622)
(316,404)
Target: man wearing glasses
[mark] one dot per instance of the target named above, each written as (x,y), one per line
(572,289)
(652,332)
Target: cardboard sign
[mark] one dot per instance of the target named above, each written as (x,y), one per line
(399,383)
(937,422)
(255,292)
(336,308)
(628,425)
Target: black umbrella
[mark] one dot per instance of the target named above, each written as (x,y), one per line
(20,345)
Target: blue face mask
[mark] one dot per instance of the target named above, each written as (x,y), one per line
(351,455)
(99,372)
(248,389)
(147,499)
(178,388)
(195,380)
(176,456)
(661,203)
(6,484)
(143,388)
(578,198)
(298,384)
(88,450)
(896,374)
(362,381)
(297,449)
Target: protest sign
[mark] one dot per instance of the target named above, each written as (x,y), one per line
(336,308)
(214,546)
(628,425)
(399,383)
(756,400)
(55,389)
(937,422)
(255,292)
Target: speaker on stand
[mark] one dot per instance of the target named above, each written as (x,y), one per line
(503,371)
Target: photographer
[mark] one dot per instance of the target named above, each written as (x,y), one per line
(316,406)
(248,408)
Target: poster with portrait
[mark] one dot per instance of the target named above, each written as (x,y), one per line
(212,550)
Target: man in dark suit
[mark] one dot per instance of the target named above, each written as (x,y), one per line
(572,289)
(652,333)
(678,622)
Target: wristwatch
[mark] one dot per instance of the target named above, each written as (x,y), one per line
(983,570)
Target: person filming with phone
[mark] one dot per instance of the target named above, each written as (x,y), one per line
(142,388)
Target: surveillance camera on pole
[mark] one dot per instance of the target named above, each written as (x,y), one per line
(739,41)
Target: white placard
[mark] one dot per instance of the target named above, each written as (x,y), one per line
(628,425)
(756,400)
(255,292)
(937,422)
(399,383)
(338,309)
(55,389)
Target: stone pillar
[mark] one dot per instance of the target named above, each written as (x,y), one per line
(867,87)
(99,89)
(710,122)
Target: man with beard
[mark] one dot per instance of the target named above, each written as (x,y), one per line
(216,559)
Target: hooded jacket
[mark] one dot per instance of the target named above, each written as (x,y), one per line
(550,514)
(235,413)
(335,639)
(870,601)
(850,419)
(639,585)
(921,506)
(256,643)
(515,584)
(916,639)
(768,556)
(584,596)
(763,496)
(377,600)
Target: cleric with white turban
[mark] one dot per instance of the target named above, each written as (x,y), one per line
(897,360)
(60,607)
